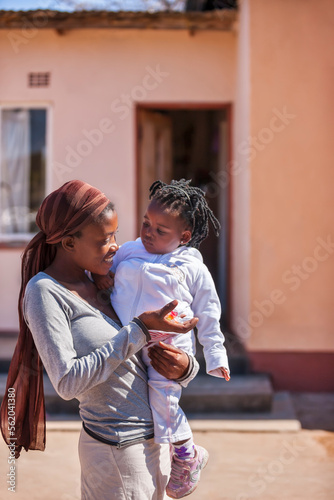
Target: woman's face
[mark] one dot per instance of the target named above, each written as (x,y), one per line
(95,248)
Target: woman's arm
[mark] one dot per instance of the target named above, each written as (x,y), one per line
(168,360)
(48,318)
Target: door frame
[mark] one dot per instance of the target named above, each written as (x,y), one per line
(209,106)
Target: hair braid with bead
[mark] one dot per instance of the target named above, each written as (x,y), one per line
(190,203)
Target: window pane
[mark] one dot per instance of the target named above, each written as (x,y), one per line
(37,162)
(22,174)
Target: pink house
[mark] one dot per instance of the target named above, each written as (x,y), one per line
(239,101)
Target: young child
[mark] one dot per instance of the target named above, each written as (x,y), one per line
(162,265)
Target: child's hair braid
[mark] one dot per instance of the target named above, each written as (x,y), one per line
(190,203)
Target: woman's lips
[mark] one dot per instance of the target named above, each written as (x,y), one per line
(109,259)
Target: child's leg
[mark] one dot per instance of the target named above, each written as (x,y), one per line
(171,426)
(188,460)
(184,449)
(170,423)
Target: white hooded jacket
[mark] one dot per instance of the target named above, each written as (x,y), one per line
(145,282)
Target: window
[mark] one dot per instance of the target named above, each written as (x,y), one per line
(22,171)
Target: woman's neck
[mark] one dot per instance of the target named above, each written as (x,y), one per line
(66,271)
(77,282)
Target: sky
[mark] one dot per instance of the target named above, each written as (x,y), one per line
(46,4)
(66,5)
(23,4)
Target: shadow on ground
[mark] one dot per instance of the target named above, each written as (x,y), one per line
(315,411)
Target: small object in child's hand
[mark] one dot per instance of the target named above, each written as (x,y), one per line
(173,316)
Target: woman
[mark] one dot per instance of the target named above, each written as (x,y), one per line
(67,327)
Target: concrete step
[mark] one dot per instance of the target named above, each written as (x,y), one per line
(205,394)
(243,393)
(281,418)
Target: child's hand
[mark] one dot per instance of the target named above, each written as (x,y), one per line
(225,373)
(104,282)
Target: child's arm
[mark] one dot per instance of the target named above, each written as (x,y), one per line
(103,282)
(206,306)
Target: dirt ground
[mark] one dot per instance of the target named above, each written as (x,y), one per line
(243,465)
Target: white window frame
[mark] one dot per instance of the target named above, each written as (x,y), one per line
(25,237)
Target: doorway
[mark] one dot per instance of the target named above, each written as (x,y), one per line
(191,143)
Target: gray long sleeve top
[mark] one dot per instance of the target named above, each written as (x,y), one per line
(90,357)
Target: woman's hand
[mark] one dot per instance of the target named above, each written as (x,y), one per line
(168,360)
(156,320)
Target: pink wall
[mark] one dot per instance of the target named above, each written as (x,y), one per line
(291,176)
(276,71)
(240,185)
(97,77)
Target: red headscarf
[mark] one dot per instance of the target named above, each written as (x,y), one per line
(65,211)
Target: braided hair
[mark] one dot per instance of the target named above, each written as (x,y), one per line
(190,203)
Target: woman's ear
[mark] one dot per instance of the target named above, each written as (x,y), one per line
(186,237)
(68,243)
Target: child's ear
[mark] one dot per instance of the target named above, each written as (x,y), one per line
(186,237)
(68,243)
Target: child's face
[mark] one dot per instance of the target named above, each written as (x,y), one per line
(162,231)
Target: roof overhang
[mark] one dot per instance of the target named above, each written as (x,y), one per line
(217,20)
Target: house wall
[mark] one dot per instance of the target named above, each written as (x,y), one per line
(291,314)
(239,178)
(276,71)
(97,76)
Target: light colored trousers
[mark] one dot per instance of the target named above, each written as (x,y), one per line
(170,423)
(136,472)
